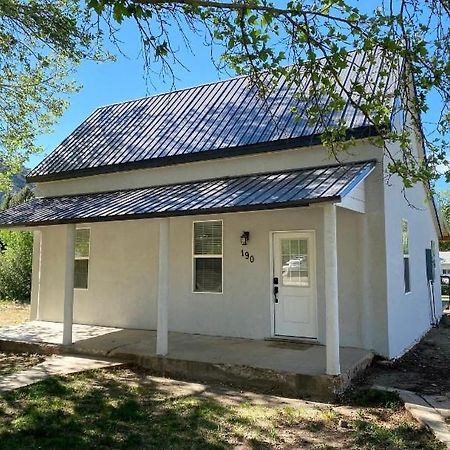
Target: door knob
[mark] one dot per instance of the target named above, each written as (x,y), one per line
(275,293)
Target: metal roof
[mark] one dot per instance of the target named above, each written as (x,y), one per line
(243,193)
(221,119)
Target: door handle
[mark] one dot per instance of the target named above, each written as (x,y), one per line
(275,293)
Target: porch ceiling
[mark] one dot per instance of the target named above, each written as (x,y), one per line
(299,187)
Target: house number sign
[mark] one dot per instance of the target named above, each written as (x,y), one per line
(247,256)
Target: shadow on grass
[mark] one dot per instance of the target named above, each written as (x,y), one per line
(93,412)
(114,409)
(14,362)
(372,398)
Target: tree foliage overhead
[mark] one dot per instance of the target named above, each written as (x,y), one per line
(315,37)
(41,41)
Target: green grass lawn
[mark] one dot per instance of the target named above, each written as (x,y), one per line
(124,408)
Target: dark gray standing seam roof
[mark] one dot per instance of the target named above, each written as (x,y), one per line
(222,119)
(242,193)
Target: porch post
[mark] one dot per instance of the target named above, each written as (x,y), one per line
(36,275)
(162,329)
(69,282)
(331,291)
(366,263)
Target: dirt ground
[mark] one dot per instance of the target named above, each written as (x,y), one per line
(12,313)
(424,369)
(14,362)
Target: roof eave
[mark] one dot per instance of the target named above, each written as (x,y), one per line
(285,144)
(185,213)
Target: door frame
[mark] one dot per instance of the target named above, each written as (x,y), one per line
(271,276)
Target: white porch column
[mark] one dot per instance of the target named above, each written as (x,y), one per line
(331,290)
(69,282)
(366,264)
(36,275)
(162,328)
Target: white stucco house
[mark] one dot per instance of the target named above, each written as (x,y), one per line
(210,211)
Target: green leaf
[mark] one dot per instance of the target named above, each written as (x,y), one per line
(120,11)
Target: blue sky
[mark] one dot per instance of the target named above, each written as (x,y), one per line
(123,79)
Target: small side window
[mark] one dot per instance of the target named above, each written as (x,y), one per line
(82,251)
(405,244)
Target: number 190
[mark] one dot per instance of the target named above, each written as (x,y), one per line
(247,255)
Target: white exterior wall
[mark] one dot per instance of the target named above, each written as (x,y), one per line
(409,313)
(123,275)
(372,265)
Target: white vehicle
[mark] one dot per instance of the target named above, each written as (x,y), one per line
(294,265)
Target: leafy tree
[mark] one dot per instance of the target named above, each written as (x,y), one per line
(21,196)
(444,200)
(6,201)
(16,252)
(41,41)
(16,265)
(315,37)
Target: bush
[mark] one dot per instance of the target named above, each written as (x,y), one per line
(15,265)
(16,253)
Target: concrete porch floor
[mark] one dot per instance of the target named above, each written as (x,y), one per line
(288,368)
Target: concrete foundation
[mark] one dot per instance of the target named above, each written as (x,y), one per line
(285,368)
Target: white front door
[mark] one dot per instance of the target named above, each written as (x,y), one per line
(294,284)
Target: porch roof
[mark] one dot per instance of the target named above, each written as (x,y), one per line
(263,191)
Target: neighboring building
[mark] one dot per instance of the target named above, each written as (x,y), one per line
(210,211)
(445,262)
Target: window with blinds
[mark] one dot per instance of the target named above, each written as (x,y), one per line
(207,257)
(82,251)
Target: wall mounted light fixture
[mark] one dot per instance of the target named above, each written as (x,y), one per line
(245,237)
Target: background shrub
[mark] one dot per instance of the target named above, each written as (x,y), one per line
(16,253)
(15,265)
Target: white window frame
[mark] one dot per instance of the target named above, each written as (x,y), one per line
(406,256)
(82,258)
(194,257)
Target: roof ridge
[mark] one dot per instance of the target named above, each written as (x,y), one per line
(161,94)
(195,86)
